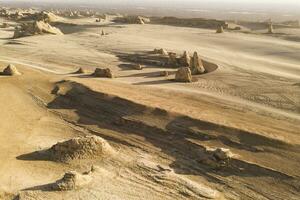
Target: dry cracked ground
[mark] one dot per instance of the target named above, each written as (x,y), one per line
(169,139)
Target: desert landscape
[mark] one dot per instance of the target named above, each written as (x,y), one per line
(99,105)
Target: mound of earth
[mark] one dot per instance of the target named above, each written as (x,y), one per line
(11,70)
(106,73)
(80,148)
(71,181)
(35,28)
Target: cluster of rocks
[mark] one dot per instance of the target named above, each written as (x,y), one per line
(132,20)
(104,73)
(193,62)
(80,148)
(35,28)
(10,70)
(188,65)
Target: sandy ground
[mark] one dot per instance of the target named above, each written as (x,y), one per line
(250,104)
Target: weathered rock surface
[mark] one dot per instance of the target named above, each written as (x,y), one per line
(37,27)
(183,74)
(11,70)
(197,65)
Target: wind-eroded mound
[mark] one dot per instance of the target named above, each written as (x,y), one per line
(10,70)
(35,28)
(80,148)
(72,180)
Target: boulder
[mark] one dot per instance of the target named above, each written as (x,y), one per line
(222,154)
(105,73)
(183,74)
(11,70)
(197,66)
(72,181)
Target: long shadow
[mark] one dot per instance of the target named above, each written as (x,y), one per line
(121,115)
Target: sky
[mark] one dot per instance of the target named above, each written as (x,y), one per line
(271,2)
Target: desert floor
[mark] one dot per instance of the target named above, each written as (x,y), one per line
(250,104)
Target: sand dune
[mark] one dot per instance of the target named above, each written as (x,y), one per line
(232,133)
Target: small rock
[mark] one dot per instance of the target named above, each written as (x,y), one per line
(222,154)
(106,73)
(164,73)
(138,67)
(72,181)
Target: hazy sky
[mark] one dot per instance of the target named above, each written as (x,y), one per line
(271,2)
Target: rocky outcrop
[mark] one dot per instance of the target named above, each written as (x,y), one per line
(220,29)
(104,73)
(35,28)
(270,28)
(80,148)
(185,60)
(10,70)
(183,74)
(197,65)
